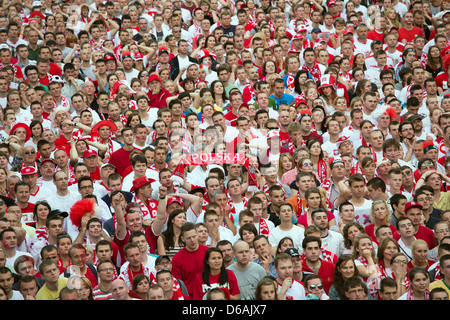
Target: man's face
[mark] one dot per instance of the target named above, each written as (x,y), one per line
(405,228)
(312,251)
(134,256)
(23,193)
(415,215)
(227,252)
(119,290)
(262,247)
(78,257)
(51,273)
(242,253)
(190,238)
(28,288)
(104,252)
(284,269)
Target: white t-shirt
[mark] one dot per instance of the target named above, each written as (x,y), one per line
(362,213)
(295,292)
(296,233)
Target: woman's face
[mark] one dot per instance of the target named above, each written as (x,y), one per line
(215,261)
(420,282)
(267,292)
(380,211)
(369,169)
(270,68)
(179,220)
(286,245)
(313,200)
(248,236)
(143,286)
(390,250)
(364,244)
(434,52)
(359,60)
(64,246)
(307,165)
(169,86)
(312,94)
(286,164)
(136,86)
(353,233)
(218,88)
(341,105)
(358,75)
(36,131)
(164,75)
(42,212)
(420,253)
(347,269)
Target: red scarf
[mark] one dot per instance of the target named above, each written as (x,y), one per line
(263,227)
(321,170)
(314,71)
(149,210)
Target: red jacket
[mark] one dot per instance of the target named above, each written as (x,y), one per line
(158,100)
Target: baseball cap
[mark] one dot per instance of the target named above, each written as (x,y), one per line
(26,171)
(412,204)
(153,77)
(292,252)
(89,152)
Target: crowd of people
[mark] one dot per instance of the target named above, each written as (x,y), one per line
(225,150)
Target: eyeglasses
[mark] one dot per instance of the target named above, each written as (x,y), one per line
(400,261)
(361,290)
(273,128)
(29,152)
(406,172)
(308,164)
(164,263)
(144,75)
(106,269)
(312,287)
(176,31)
(86,187)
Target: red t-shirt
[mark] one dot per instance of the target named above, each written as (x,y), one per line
(409,36)
(231,117)
(121,160)
(375,35)
(186,264)
(200,288)
(27,214)
(63,143)
(151,240)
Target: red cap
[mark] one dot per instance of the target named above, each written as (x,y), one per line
(26,171)
(153,77)
(173,199)
(89,152)
(140,182)
(412,204)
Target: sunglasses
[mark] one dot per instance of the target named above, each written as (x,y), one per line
(312,287)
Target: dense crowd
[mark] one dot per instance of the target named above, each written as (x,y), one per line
(225,150)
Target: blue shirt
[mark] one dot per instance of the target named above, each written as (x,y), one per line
(286,98)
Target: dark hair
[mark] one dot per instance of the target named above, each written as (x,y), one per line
(223,278)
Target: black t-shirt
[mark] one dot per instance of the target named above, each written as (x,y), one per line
(229,32)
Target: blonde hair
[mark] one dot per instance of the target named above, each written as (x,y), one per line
(387,219)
